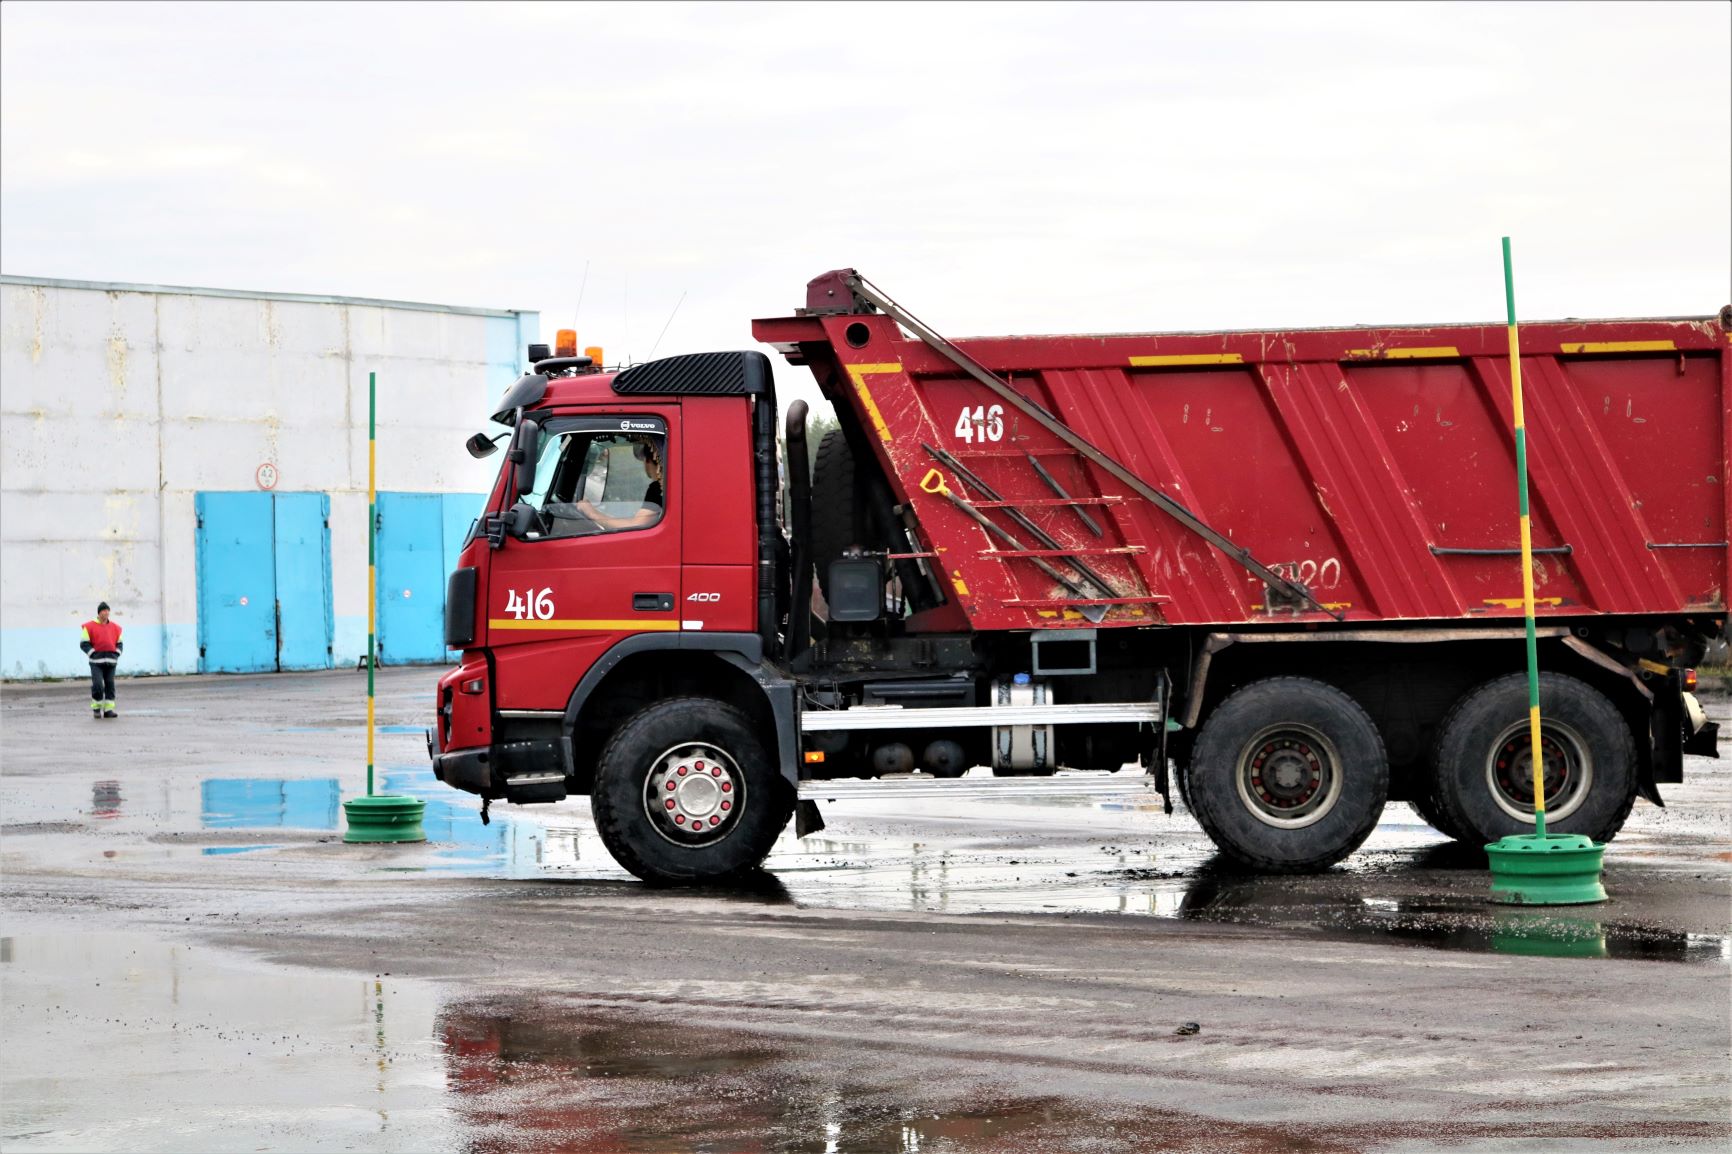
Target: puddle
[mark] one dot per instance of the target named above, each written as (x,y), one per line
(269,803)
(514,845)
(581,1080)
(981,867)
(118,1041)
(1476,926)
(1083,844)
(105,800)
(351,727)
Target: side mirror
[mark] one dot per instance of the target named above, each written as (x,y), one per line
(524,441)
(481,445)
(521,520)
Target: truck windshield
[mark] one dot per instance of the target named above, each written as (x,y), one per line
(592,480)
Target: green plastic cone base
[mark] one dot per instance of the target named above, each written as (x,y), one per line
(384,817)
(1555,869)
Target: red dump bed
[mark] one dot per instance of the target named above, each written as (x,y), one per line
(1376,466)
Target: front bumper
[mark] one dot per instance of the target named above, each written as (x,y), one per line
(470,770)
(519,771)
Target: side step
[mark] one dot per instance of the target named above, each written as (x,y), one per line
(529,788)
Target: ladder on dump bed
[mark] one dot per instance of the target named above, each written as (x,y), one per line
(1282,590)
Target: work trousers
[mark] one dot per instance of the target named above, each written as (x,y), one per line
(102,686)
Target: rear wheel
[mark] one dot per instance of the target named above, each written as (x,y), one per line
(1288,775)
(685,792)
(1482,762)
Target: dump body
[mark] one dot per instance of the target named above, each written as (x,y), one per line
(1299,549)
(1375,467)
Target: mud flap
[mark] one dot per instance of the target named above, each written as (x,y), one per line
(807,819)
(1705,742)
(1701,736)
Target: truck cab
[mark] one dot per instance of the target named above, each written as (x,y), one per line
(620,561)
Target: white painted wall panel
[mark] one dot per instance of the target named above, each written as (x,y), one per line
(119,403)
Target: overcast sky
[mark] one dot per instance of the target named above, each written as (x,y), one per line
(998,167)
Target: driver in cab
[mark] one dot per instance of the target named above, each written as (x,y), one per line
(651,511)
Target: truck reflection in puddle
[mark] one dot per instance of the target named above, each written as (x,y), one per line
(1469,923)
(1133,865)
(105,800)
(571,1077)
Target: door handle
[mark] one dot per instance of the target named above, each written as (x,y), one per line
(652,602)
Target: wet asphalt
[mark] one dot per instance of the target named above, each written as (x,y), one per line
(191,959)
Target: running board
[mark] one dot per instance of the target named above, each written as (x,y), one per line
(962,717)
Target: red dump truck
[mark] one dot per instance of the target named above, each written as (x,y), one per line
(1277,569)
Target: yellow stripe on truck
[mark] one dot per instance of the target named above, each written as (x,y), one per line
(573,625)
(1166,360)
(858,374)
(1418,353)
(1619,347)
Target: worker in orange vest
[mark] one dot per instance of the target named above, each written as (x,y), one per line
(102,645)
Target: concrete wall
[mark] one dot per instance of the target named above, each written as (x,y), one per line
(119,403)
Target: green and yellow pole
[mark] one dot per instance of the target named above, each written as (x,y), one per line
(373,559)
(377,817)
(1521,451)
(1536,868)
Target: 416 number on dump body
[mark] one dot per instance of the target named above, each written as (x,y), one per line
(983,422)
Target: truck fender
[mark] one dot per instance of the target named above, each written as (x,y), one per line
(745,651)
(780,693)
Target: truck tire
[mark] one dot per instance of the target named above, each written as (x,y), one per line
(1288,775)
(1182,782)
(835,508)
(680,764)
(1424,803)
(1482,771)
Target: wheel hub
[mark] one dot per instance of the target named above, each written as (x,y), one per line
(1289,776)
(1565,769)
(1286,773)
(694,794)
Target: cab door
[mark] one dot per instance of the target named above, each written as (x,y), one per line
(604,563)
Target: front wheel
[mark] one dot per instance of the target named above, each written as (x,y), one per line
(1288,775)
(685,792)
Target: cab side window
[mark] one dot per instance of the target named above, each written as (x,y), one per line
(588,483)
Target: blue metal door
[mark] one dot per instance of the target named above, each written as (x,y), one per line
(411,560)
(460,511)
(237,628)
(302,541)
